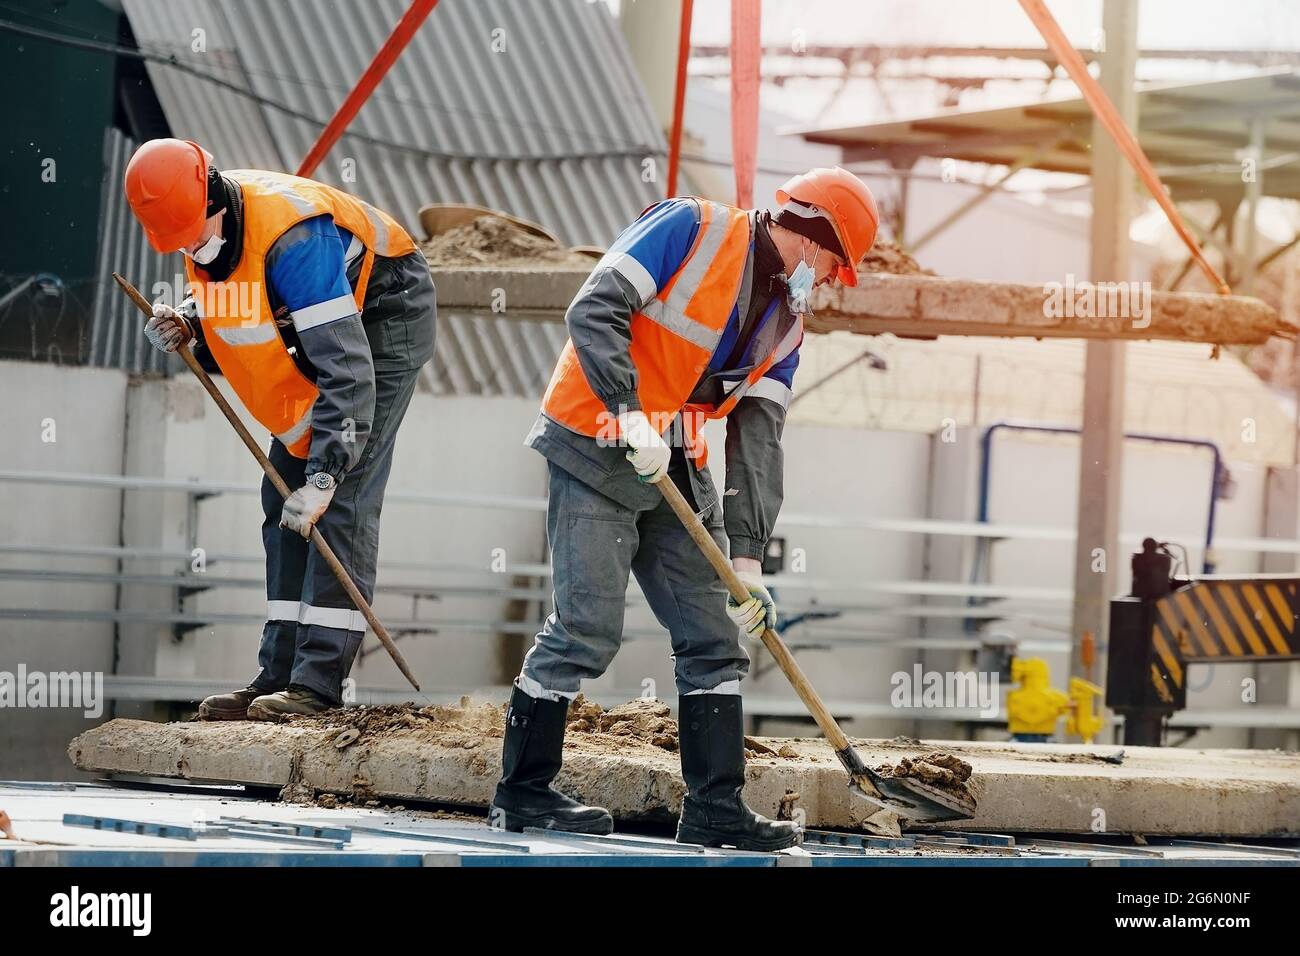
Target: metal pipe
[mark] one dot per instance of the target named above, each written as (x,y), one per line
(379,66)
(679,97)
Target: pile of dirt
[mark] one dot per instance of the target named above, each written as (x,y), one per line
(468,723)
(935,768)
(495,241)
(886,256)
(471,724)
(465,724)
(646,719)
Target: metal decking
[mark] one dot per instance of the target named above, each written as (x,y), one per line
(106,824)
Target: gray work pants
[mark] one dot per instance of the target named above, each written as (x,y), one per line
(313,629)
(595,542)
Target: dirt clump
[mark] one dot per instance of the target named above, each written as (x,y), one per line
(786,806)
(496,241)
(645,719)
(584,715)
(297,792)
(886,256)
(465,724)
(935,768)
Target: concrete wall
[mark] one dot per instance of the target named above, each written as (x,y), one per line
(57,419)
(167,428)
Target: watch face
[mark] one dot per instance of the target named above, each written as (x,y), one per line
(322,481)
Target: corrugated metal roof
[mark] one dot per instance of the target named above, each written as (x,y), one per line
(531,107)
(521,130)
(479,354)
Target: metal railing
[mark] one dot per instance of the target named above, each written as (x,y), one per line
(928,526)
(1023,605)
(1011,607)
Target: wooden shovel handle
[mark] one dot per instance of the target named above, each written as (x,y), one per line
(771,640)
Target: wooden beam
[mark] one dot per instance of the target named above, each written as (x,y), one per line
(927,306)
(911,305)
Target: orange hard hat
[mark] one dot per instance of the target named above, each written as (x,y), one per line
(167,187)
(846,201)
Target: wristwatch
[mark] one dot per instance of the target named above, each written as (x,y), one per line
(322,480)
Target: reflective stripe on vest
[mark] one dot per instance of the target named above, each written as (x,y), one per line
(295,434)
(755,385)
(673,336)
(238,326)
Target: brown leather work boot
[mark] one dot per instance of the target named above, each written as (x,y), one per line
(295,700)
(232,706)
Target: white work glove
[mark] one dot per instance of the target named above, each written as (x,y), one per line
(167,329)
(759,611)
(648,452)
(303,508)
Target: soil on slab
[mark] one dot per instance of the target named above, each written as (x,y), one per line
(935,768)
(645,719)
(886,256)
(495,241)
(642,723)
(643,726)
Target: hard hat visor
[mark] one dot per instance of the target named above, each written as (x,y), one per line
(179,238)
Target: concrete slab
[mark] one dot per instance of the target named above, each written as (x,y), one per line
(510,290)
(932,305)
(920,306)
(1019,787)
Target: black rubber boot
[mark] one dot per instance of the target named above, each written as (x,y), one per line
(710,728)
(530,759)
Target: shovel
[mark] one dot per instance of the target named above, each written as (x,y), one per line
(317,539)
(905,796)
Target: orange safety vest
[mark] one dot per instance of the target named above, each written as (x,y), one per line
(673,338)
(238,326)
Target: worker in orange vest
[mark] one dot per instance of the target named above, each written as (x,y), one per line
(319,310)
(694,313)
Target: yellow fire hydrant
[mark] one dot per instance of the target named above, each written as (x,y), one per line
(1084,719)
(1035,706)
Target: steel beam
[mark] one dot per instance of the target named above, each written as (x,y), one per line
(1098,560)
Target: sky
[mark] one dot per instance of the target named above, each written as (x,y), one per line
(1230,24)
(1244,24)
(1218,24)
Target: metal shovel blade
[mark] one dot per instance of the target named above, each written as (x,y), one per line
(906,796)
(913,799)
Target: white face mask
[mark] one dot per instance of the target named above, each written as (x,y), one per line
(800,285)
(208,251)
